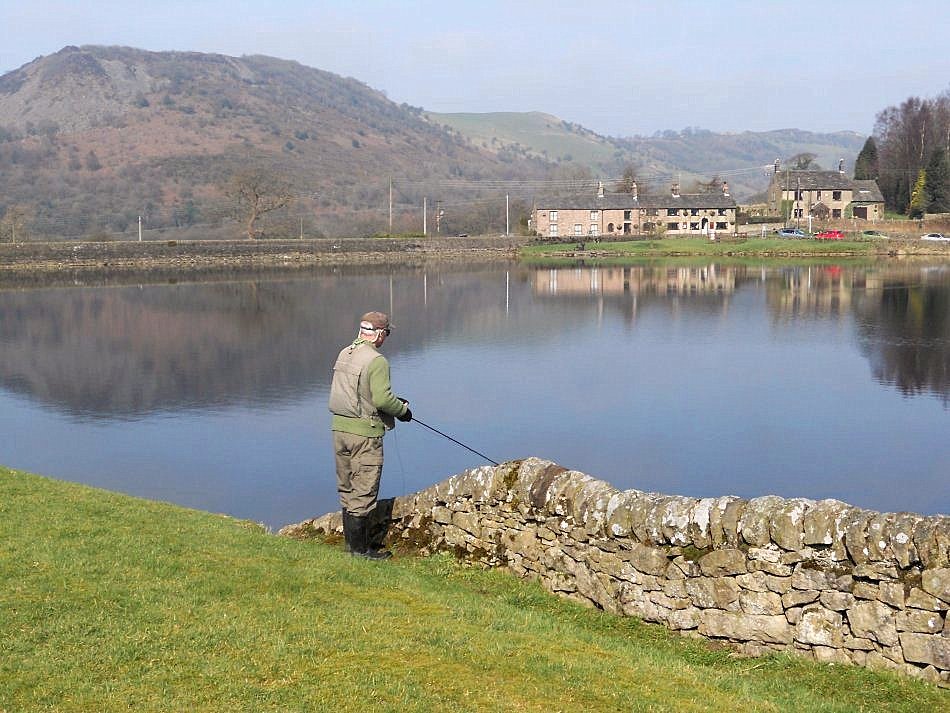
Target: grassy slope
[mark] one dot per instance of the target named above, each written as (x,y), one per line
(542,134)
(115,603)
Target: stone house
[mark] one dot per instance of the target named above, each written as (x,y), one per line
(823,195)
(618,214)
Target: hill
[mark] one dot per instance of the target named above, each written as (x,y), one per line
(92,137)
(687,155)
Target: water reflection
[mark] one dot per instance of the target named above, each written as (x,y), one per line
(701,379)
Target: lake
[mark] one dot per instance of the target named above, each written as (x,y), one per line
(702,379)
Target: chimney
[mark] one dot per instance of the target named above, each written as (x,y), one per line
(600,189)
(675,190)
(725,189)
(776,164)
(633,190)
(840,165)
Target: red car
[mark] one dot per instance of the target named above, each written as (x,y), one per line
(829,235)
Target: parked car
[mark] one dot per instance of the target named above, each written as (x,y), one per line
(829,235)
(935,237)
(790,233)
(874,234)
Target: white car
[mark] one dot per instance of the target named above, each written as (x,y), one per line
(936,237)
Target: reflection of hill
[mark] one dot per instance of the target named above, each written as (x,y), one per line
(126,351)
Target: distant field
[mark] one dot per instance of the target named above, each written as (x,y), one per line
(540,134)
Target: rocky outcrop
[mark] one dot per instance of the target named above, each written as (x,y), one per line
(823,578)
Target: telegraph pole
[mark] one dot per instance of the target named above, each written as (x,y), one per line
(424,230)
(140,228)
(390,205)
(507,224)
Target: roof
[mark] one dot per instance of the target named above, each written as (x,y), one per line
(813,180)
(626,201)
(866,192)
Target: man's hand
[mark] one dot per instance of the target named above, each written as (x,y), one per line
(408,415)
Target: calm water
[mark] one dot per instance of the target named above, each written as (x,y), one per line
(816,381)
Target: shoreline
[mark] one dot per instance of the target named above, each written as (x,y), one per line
(29,264)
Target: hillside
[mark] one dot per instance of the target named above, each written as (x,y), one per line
(92,137)
(688,155)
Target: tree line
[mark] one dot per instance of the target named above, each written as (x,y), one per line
(909,156)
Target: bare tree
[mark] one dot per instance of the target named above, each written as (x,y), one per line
(257,192)
(13,223)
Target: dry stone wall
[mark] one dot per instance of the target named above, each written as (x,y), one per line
(823,578)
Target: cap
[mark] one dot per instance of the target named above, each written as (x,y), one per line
(374,320)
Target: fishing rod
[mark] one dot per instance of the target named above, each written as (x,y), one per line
(445,435)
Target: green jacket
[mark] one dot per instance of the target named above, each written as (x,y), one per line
(361,397)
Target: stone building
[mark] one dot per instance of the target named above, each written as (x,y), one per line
(617,214)
(823,195)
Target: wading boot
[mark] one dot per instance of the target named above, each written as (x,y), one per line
(360,546)
(347,531)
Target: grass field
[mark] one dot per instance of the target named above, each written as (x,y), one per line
(114,603)
(765,247)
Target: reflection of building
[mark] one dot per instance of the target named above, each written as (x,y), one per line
(824,290)
(823,194)
(587,216)
(635,280)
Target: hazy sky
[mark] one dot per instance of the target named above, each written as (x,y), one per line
(618,68)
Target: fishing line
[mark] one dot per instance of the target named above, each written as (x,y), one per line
(445,435)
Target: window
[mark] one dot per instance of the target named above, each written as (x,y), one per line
(553,216)
(799,195)
(610,227)
(836,213)
(722,211)
(799,212)
(654,211)
(578,229)
(552,230)
(817,195)
(722,225)
(672,226)
(593,216)
(672,211)
(694,226)
(593,229)
(694,211)
(626,215)
(836,196)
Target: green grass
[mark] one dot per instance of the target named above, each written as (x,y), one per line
(113,603)
(699,246)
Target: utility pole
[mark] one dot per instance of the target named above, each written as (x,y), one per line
(140,228)
(301,227)
(390,205)
(507,225)
(424,230)
(438,217)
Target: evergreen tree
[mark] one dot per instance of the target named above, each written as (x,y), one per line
(866,165)
(918,196)
(938,182)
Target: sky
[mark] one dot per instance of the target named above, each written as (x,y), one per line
(617,68)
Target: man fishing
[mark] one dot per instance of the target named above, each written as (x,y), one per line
(363,407)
